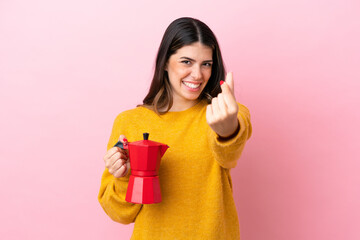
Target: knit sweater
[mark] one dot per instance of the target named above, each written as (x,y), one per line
(195,181)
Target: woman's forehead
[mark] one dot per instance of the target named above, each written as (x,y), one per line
(195,51)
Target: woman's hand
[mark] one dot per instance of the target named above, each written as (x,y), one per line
(221,114)
(117,160)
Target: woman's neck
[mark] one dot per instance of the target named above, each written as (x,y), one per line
(179,106)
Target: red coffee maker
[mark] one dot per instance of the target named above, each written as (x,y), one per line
(145,157)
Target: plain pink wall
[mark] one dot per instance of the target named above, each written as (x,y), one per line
(67,68)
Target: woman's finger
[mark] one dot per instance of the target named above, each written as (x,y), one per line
(115,166)
(215,108)
(111,152)
(120,172)
(222,105)
(117,156)
(209,114)
(230,81)
(122,138)
(226,90)
(110,161)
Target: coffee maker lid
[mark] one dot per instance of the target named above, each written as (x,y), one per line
(146,142)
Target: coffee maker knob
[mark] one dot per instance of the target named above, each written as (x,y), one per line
(146,136)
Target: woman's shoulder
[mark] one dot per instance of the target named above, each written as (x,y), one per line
(133,114)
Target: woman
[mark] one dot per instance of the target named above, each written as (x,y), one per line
(192,110)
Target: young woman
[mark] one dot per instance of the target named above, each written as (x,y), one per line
(193,111)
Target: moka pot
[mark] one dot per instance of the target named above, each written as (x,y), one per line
(145,157)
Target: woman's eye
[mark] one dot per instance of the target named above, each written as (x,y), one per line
(186,62)
(207,64)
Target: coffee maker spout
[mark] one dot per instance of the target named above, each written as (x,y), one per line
(163,149)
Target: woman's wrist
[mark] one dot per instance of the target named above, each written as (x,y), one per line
(224,138)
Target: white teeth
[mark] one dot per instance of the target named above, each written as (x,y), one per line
(191,85)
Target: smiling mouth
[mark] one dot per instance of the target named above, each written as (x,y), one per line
(192,85)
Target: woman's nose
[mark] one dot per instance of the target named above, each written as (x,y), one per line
(196,72)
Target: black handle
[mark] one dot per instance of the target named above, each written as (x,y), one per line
(119,144)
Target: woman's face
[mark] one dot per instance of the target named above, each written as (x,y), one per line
(189,70)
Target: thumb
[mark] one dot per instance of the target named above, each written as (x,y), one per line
(123,139)
(122,143)
(230,81)
(225,88)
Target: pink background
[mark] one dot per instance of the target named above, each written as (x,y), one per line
(67,68)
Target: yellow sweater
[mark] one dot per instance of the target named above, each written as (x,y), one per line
(196,187)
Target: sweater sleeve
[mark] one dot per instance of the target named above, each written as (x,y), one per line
(227,152)
(113,190)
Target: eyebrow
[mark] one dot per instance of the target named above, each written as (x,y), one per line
(187,58)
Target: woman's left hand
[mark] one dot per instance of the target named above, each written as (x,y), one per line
(221,114)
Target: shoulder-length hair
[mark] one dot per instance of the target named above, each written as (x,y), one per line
(181,32)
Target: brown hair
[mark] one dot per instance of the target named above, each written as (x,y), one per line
(181,32)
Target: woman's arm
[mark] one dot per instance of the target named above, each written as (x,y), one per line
(227,151)
(229,123)
(112,199)
(113,190)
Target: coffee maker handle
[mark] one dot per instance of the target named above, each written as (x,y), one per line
(121,145)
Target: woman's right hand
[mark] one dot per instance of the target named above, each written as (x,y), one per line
(117,160)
